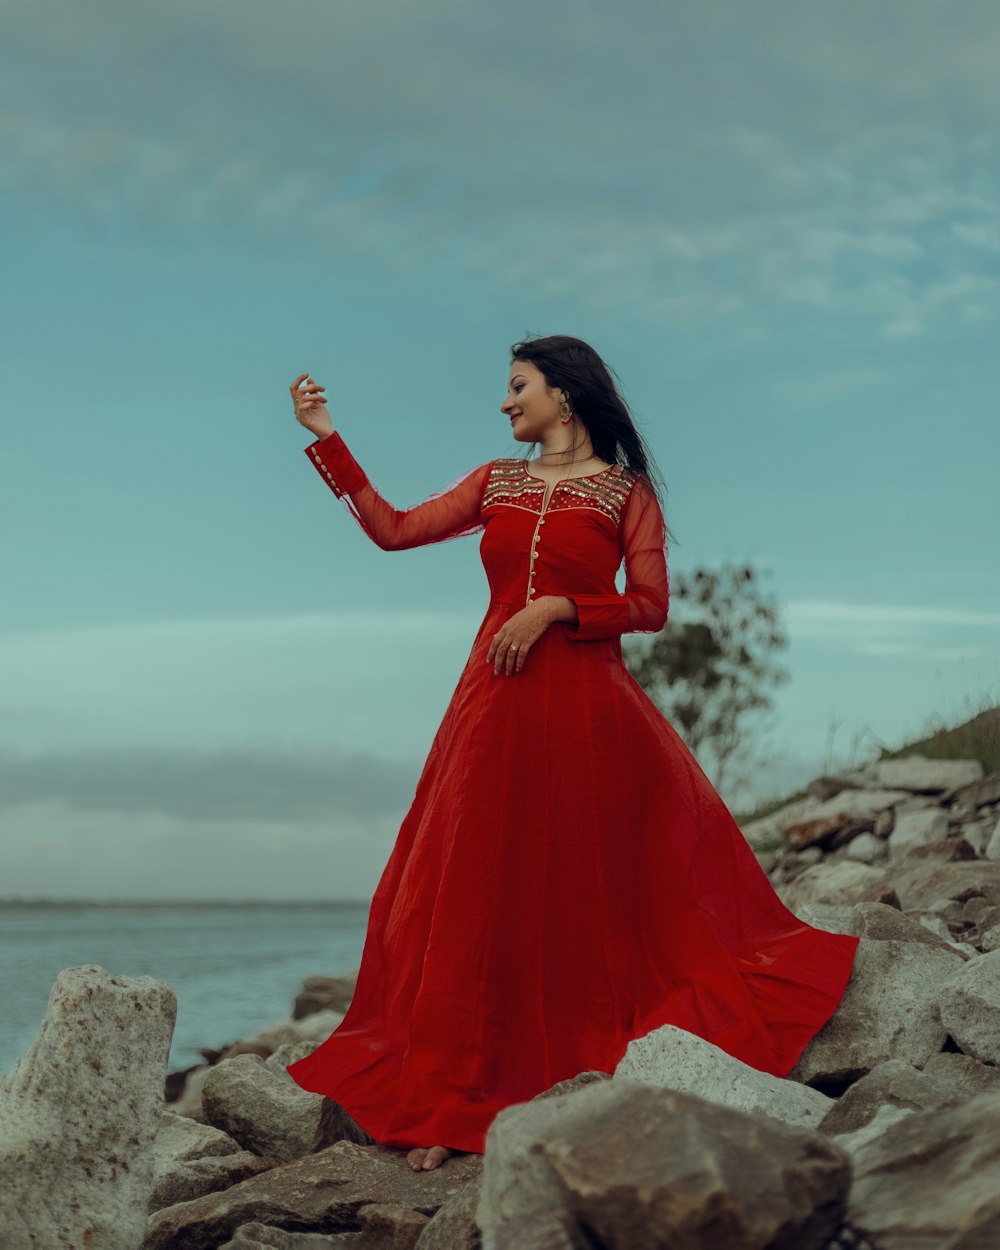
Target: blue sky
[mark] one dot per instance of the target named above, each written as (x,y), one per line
(779,223)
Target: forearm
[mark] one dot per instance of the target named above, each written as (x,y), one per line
(559,608)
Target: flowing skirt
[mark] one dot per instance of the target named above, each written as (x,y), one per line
(565,880)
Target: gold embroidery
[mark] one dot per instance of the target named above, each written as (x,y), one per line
(509,482)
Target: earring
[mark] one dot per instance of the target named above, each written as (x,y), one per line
(564,410)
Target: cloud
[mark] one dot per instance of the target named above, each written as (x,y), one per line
(229,782)
(891,630)
(779,159)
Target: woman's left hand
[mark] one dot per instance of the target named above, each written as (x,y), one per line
(515,637)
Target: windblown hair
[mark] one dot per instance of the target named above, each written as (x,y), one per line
(575,367)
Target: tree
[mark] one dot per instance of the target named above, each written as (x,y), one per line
(709,668)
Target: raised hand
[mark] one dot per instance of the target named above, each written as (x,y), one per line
(310,406)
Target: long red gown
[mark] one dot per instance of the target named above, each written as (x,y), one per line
(566,878)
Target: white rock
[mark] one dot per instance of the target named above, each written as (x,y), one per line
(675,1059)
(917,828)
(866,848)
(918,772)
(992,850)
(970,1007)
(80,1112)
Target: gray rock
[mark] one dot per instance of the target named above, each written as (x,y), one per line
(314,1028)
(635,1166)
(672,1058)
(194,1177)
(80,1111)
(894,1083)
(258,1236)
(916,828)
(840,881)
(932,1179)
(269,1114)
(963,1073)
(923,773)
(322,1192)
(454,1225)
(969,1002)
(866,848)
(324,994)
(888,1011)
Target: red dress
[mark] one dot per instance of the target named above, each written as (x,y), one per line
(566,878)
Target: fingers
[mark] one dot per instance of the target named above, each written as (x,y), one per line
(509,656)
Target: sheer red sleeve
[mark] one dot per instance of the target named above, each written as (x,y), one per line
(643,607)
(452,512)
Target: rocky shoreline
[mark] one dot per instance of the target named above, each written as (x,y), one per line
(885,1135)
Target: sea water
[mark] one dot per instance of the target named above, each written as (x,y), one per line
(235,967)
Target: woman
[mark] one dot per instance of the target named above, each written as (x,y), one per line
(566,878)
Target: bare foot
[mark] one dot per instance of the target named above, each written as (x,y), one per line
(425,1158)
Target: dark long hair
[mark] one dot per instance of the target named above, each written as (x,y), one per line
(575,367)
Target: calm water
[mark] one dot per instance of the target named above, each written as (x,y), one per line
(233,966)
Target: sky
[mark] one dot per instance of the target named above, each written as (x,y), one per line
(779,223)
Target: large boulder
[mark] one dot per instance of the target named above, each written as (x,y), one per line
(268,1114)
(80,1111)
(672,1058)
(889,1010)
(969,1002)
(932,1179)
(634,1165)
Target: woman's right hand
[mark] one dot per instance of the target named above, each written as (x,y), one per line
(310,406)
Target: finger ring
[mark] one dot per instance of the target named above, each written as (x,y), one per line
(514,646)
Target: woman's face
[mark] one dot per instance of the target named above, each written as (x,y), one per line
(532,407)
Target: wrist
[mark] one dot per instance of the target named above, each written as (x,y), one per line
(559,608)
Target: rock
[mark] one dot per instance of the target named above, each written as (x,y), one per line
(768,830)
(969,800)
(888,1011)
(838,819)
(884,1117)
(324,994)
(185,1181)
(580,1081)
(313,1028)
(258,1236)
(916,828)
(969,1001)
(932,1179)
(923,774)
(921,879)
(391,1227)
(80,1111)
(271,1116)
(189,1103)
(866,848)
(288,1053)
(882,923)
(190,1159)
(992,847)
(893,1083)
(833,917)
(636,1166)
(321,1192)
(965,1074)
(843,881)
(672,1058)
(454,1225)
